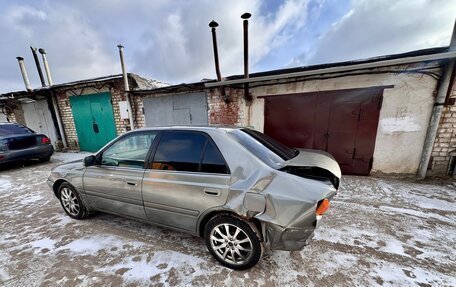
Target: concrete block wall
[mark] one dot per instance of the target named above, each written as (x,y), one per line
(445,141)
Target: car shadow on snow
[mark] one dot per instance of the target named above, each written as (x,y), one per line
(11,166)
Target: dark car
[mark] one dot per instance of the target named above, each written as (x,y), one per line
(17,143)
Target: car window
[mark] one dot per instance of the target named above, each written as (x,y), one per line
(130,151)
(265,148)
(14,129)
(181,151)
(278,148)
(213,161)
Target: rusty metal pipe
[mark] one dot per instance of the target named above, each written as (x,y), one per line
(126,86)
(24,73)
(246,16)
(214,25)
(38,66)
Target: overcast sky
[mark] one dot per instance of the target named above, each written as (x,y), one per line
(170,40)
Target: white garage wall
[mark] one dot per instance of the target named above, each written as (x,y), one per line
(404,117)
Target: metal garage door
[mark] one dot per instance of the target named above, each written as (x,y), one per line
(187,109)
(38,118)
(94,120)
(343,123)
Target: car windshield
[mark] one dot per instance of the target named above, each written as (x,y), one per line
(264,147)
(14,129)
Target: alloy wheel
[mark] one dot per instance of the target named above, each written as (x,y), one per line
(70,201)
(231,243)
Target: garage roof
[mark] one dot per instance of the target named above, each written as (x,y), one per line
(432,54)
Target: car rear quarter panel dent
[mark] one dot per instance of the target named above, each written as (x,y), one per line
(285,204)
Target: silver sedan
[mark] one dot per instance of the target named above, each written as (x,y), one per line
(240,190)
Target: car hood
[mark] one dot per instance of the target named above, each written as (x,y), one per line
(68,166)
(315,158)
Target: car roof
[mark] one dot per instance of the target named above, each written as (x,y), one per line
(8,123)
(193,128)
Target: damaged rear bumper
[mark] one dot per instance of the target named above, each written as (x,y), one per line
(289,239)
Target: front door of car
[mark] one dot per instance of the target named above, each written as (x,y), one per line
(186,177)
(115,184)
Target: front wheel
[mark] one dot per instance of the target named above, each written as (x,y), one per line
(45,159)
(71,202)
(232,242)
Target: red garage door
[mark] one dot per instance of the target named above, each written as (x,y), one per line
(343,123)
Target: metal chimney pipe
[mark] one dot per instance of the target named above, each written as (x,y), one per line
(24,73)
(38,66)
(246,16)
(439,102)
(53,98)
(126,85)
(46,66)
(214,25)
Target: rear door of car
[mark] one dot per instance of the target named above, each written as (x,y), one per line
(115,185)
(186,176)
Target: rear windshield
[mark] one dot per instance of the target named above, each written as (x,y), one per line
(14,129)
(264,147)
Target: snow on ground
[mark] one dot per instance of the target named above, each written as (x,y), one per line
(378,232)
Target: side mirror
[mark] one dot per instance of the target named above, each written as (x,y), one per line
(90,160)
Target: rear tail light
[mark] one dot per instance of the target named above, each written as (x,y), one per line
(45,140)
(323,206)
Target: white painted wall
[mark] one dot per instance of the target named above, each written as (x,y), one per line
(38,118)
(404,117)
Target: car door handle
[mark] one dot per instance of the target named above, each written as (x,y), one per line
(212,191)
(132,183)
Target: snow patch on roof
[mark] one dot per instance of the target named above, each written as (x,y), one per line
(146,83)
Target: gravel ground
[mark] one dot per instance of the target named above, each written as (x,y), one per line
(378,232)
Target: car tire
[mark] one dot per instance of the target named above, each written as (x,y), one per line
(45,159)
(71,202)
(232,242)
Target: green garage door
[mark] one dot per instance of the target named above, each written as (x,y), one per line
(94,120)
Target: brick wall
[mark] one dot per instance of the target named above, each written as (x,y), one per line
(118,95)
(66,114)
(445,141)
(232,113)
(115,87)
(14,113)
(137,107)
(11,117)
